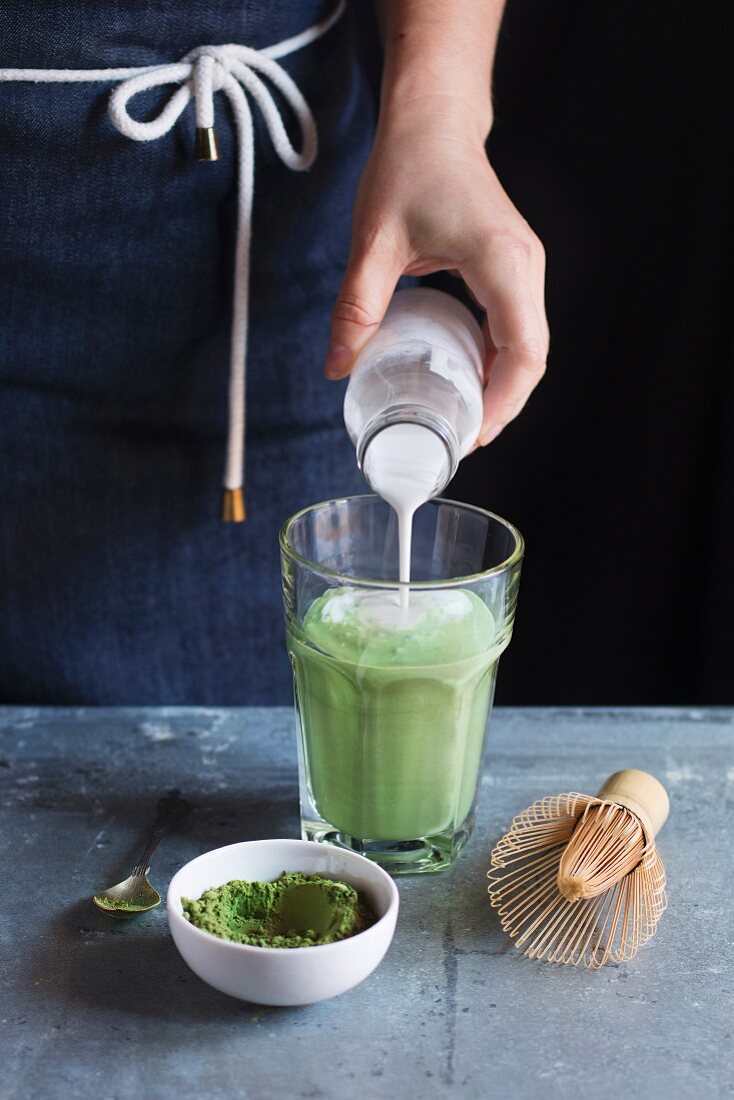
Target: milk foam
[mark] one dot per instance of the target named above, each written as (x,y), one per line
(377,610)
(373,627)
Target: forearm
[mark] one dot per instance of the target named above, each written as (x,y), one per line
(438,62)
(429,200)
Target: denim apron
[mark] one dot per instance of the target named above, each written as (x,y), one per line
(119,584)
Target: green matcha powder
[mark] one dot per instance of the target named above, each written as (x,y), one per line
(296,910)
(120,903)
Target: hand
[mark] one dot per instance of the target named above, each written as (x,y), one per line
(428,201)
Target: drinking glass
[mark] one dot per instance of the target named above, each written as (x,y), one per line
(390,754)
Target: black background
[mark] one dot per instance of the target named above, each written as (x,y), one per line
(613,133)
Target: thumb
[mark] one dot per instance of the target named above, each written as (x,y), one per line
(363,298)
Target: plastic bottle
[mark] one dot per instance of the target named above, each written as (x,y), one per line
(413,407)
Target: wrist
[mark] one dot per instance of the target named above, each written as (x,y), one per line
(438,65)
(463,116)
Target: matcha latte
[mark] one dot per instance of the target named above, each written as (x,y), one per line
(393,704)
(394,682)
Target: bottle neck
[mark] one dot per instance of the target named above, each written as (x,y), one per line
(446,455)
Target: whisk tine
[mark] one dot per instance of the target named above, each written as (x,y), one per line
(523,910)
(545,915)
(588,915)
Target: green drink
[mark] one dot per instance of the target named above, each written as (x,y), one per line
(394,703)
(394,682)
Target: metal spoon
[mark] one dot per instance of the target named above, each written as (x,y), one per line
(135,894)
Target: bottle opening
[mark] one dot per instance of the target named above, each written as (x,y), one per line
(407,463)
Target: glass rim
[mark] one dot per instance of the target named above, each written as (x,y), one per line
(369,582)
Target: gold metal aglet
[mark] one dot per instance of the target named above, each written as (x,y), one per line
(206,147)
(233,506)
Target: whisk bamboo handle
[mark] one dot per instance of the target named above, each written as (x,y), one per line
(641,793)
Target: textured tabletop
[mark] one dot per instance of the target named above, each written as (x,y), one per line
(94,1007)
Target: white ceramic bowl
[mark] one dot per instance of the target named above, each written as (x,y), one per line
(277,975)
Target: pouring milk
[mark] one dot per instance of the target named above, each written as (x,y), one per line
(413,407)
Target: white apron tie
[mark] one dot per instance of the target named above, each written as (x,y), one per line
(237,71)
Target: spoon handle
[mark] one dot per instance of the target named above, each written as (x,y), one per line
(171,809)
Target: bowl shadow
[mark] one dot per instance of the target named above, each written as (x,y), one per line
(130,966)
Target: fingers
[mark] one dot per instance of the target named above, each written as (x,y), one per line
(507,279)
(365,293)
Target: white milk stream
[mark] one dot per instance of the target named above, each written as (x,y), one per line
(406,464)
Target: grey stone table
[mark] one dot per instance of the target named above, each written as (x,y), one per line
(94,1007)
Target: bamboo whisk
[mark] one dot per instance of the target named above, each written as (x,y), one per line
(578,879)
